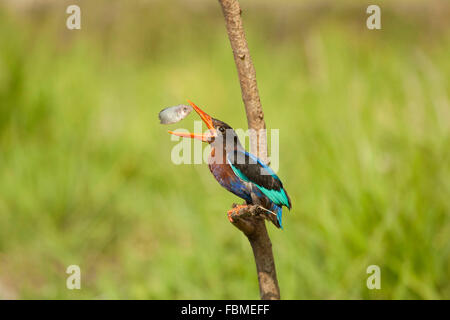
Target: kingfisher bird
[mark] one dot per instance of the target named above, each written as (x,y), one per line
(239,171)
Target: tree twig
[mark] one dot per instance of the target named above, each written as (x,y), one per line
(249,219)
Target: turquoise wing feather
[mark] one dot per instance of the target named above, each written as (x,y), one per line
(251,169)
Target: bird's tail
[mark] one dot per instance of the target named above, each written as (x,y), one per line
(274,215)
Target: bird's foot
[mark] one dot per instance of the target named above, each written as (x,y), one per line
(235,211)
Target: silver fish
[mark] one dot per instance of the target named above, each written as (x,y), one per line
(174,114)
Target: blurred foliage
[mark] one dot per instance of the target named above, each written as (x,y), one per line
(85,170)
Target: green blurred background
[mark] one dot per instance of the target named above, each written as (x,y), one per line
(85,170)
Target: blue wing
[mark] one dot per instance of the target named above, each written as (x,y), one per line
(251,169)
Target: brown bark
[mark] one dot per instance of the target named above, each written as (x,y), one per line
(249,219)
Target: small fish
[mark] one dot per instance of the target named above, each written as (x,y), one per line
(174,114)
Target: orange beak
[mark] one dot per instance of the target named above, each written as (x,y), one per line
(206,119)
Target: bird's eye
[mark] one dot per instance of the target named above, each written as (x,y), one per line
(222,129)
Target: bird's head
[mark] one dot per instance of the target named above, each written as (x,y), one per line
(218,131)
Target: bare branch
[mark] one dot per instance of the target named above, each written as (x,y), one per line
(248,219)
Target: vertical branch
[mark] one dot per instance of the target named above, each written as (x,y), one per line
(250,222)
(247,77)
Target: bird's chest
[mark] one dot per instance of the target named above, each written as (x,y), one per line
(223,173)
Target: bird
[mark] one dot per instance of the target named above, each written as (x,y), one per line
(239,171)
